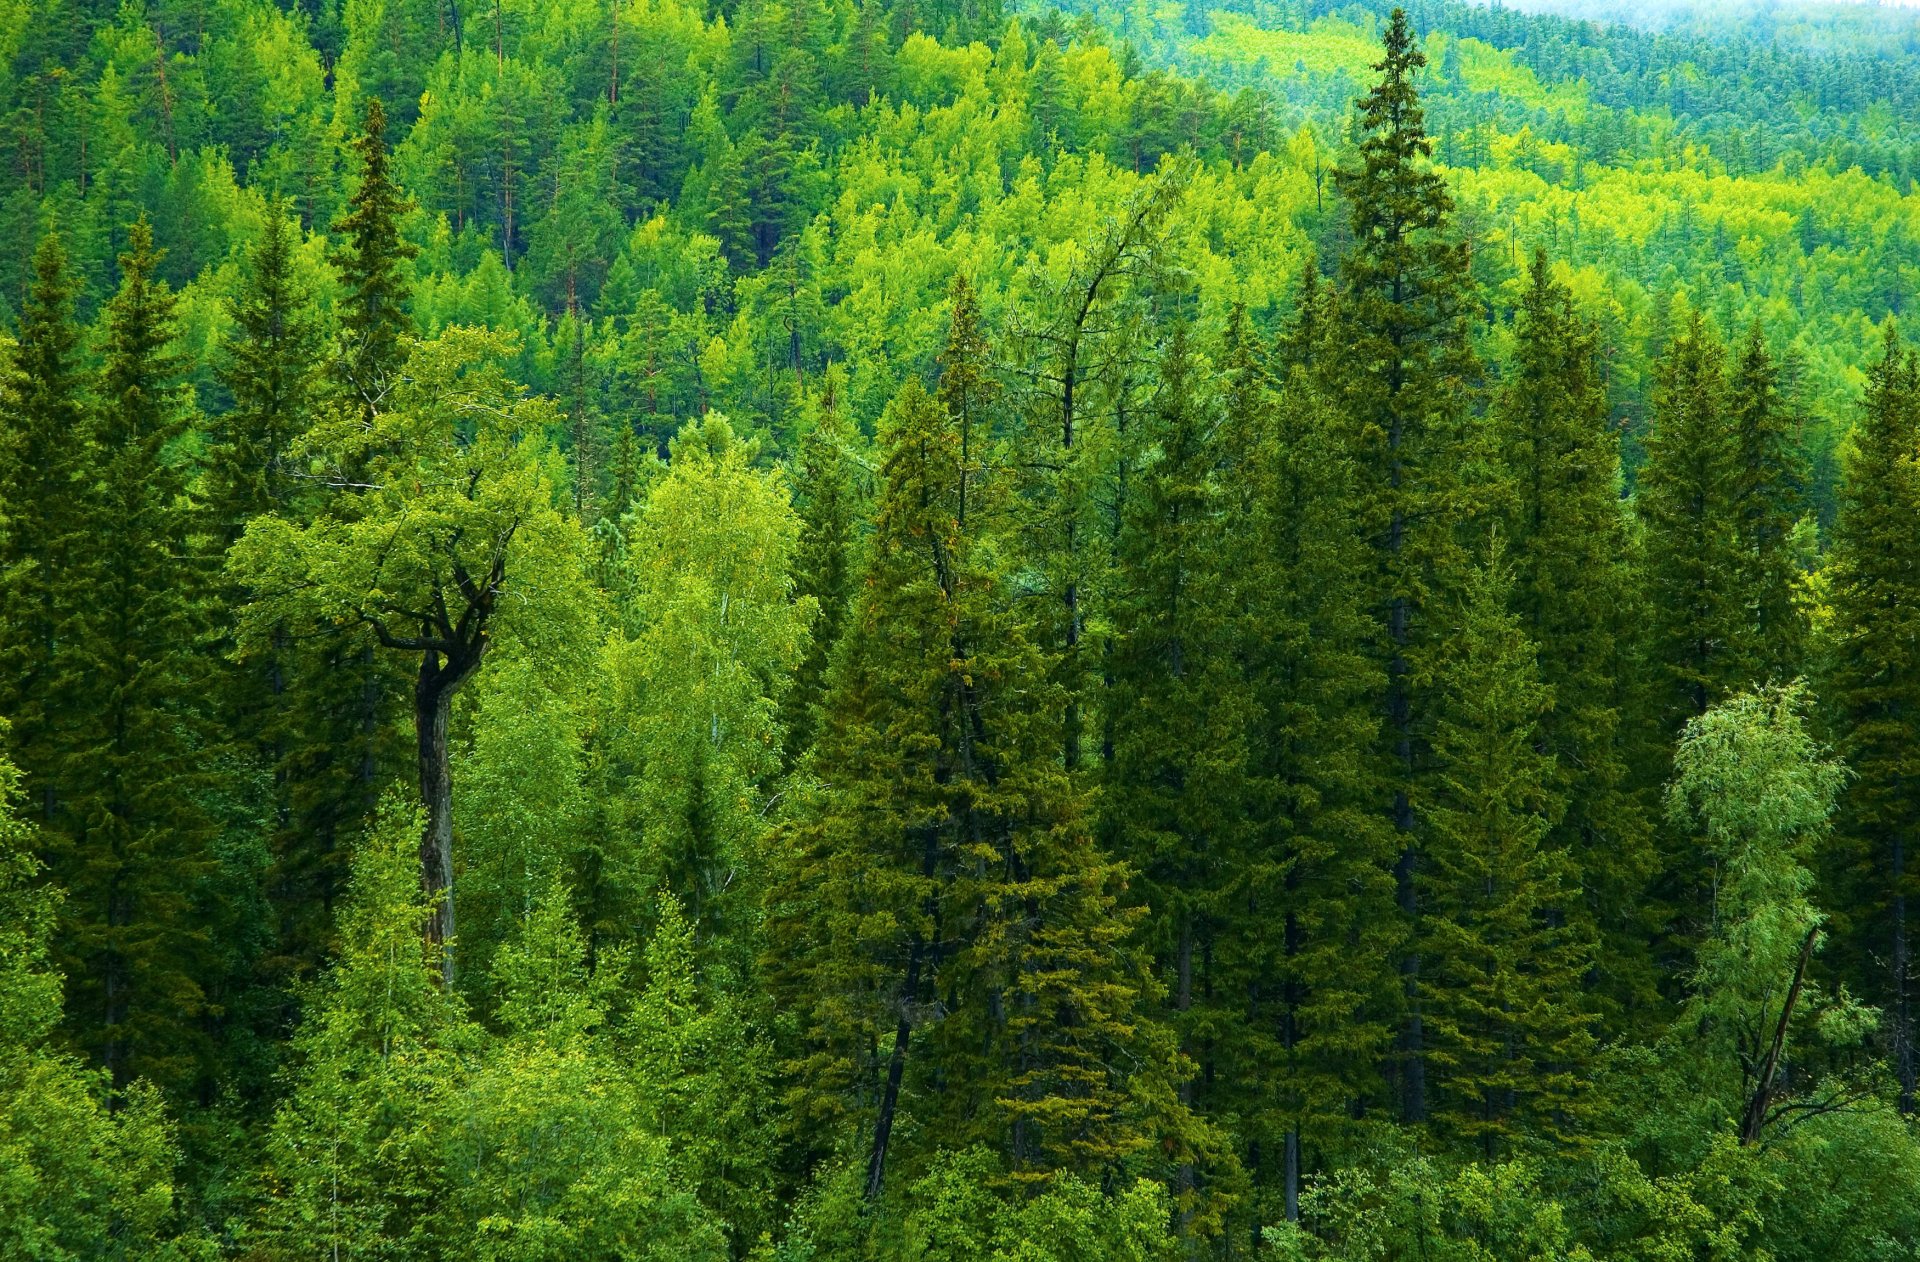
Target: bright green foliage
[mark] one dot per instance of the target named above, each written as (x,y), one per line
(1754,784)
(1873,578)
(352,1170)
(1402,372)
(715,636)
(705,1077)
(128,839)
(1567,543)
(1688,502)
(1770,488)
(1501,994)
(555,1150)
(42,405)
(447,529)
(373,316)
(76,1182)
(954,1215)
(1316,926)
(824,561)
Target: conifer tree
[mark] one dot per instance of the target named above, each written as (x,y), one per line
(1567,544)
(42,409)
(1315,925)
(1403,374)
(372,266)
(824,559)
(1174,797)
(1770,488)
(130,835)
(945,903)
(1688,500)
(271,370)
(1873,688)
(1510,1042)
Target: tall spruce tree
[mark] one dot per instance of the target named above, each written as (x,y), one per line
(373,271)
(1404,373)
(1174,799)
(944,904)
(1688,501)
(1313,923)
(823,565)
(130,837)
(1873,688)
(1504,989)
(43,406)
(1771,480)
(1572,592)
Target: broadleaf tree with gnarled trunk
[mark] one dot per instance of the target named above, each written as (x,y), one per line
(448,526)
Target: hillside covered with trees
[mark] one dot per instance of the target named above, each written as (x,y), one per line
(805,630)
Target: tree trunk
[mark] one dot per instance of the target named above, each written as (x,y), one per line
(432,706)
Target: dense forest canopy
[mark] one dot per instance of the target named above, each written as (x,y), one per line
(898,629)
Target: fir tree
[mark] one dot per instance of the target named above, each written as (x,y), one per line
(1572,593)
(823,562)
(1770,490)
(1510,1042)
(945,902)
(1403,375)
(131,835)
(271,370)
(43,406)
(373,272)
(1314,926)
(1174,797)
(1873,687)
(1688,500)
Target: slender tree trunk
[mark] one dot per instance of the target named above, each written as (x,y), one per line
(1762,1099)
(1903,1060)
(432,706)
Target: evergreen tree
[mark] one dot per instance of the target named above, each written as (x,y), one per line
(1174,797)
(1873,687)
(1314,926)
(1770,489)
(42,407)
(824,560)
(130,836)
(945,903)
(1403,375)
(373,272)
(271,370)
(1573,595)
(1688,501)
(80,1182)
(1510,1042)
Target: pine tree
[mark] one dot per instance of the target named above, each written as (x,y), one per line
(1403,376)
(1770,489)
(1510,1042)
(1314,926)
(1873,688)
(1687,499)
(824,561)
(1572,592)
(372,266)
(944,903)
(43,406)
(131,837)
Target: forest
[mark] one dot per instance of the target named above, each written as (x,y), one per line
(876,630)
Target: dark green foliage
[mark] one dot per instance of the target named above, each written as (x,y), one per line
(372,264)
(1401,373)
(1870,685)
(1770,486)
(128,838)
(1567,543)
